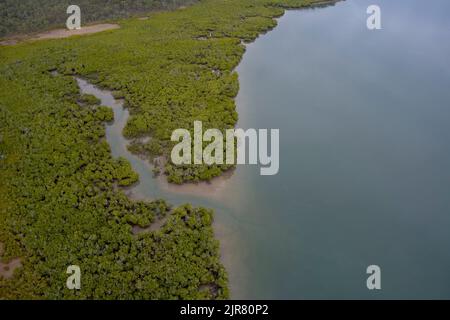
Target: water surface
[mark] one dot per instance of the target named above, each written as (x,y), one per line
(364,119)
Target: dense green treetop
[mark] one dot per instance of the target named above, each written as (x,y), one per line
(24,16)
(61,201)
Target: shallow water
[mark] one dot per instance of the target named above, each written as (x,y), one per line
(364,119)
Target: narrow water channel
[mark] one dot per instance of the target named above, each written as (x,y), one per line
(209,195)
(364,119)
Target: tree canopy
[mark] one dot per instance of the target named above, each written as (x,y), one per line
(61,196)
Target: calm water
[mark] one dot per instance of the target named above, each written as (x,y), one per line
(364,119)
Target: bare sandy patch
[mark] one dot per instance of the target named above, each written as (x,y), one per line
(7,269)
(62,33)
(9,42)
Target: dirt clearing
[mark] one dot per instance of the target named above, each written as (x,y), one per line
(61,33)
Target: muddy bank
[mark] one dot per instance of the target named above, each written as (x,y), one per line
(149,187)
(210,189)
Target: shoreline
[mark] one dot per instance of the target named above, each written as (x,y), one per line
(205,189)
(211,189)
(214,185)
(105,25)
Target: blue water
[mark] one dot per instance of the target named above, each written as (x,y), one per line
(364,119)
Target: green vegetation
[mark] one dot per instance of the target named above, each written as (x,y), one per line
(26,16)
(61,201)
(104,113)
(89,99)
